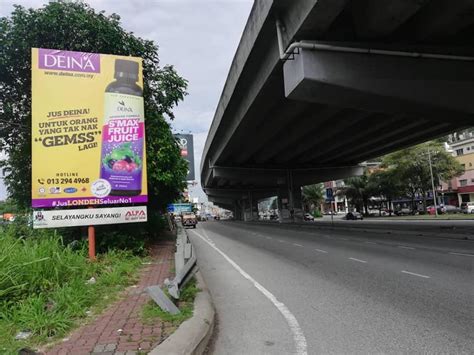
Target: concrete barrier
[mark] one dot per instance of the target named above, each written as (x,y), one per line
(193,335)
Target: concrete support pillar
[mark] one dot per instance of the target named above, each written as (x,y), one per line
(250,210)
(253,207)
(245,210)
(238,216)
(297,203)
(290,202)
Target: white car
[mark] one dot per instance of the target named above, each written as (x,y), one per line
(467,207)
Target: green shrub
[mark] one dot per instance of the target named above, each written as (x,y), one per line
(44,285)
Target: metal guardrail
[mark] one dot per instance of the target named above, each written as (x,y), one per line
(186,267)
(185,263)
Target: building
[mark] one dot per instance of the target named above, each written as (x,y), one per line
(461,188)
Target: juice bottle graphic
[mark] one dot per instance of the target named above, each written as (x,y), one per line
(123,131)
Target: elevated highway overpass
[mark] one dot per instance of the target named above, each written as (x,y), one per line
(318,86)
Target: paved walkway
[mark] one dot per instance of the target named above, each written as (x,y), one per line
(119,330)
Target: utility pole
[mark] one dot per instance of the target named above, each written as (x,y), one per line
(432,184)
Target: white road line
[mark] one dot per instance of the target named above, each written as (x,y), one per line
(268,237)
(371,243)
(321,251)
(281,241)
(343,239)
(297,245)
(358,260)
(415,274)
(461,254)
(404,247)
(298,336)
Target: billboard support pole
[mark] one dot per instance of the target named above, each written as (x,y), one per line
(91,236)
(91,239)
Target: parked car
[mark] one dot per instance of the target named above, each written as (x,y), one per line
(467,207)
(354,216)
(376,213)
(405,212)
(431,209)
(452,209)
(308,217)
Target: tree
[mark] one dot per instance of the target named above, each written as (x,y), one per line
(386,184)
(78,27)
(313,195)
(357,190)
(412,168)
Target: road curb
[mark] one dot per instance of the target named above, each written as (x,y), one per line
(193,335)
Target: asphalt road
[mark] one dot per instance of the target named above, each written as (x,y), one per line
(279,290)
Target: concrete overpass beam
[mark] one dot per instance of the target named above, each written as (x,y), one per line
(228,201)
(375,18)
(314,176)
(443,18)
(432,88)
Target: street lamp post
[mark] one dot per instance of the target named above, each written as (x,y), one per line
(432,184)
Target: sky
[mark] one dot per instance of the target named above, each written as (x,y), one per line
(198,37)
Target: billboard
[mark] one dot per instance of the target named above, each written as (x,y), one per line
(185,142)
(88,133)
(89,216)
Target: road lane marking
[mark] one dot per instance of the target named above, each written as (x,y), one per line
(298,335)
(404,247)
(297,245)
(343,239)
(268,237)
(281,241)
(358,260)
(321,251)
(461,254)
(371,243)
(415,274)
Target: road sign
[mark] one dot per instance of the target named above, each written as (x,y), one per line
(180,207)
(329,195)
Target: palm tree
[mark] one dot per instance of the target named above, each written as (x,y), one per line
(313,195)
(357,190)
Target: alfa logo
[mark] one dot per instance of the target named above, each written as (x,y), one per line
(135,214)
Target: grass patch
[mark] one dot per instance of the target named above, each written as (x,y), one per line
(151,312)
(44,286)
